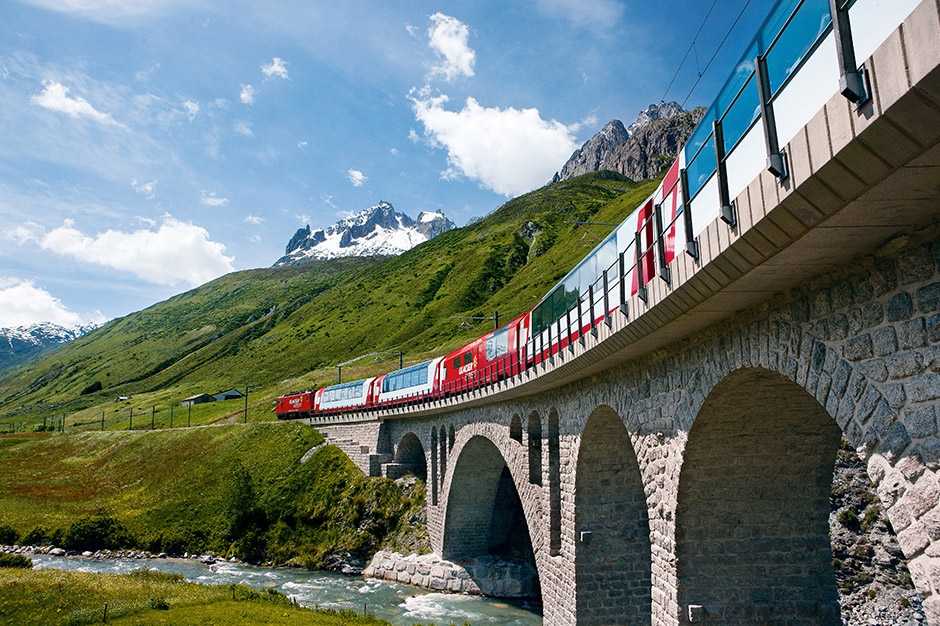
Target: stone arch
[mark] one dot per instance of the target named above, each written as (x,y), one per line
(612,551)
(484,509)
(752,530)
(534,445)
(515,428)
(409,455)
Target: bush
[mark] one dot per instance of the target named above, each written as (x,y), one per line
(96,533)
(15,560)
(92,388)
(159,604)
(40,536)
(7,535)
(849,519)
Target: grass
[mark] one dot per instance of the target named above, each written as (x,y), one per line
(52,597)
(236,490)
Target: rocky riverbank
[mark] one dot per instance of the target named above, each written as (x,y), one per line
(142,555)
(489,576)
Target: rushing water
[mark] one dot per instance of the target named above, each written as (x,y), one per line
(402,605)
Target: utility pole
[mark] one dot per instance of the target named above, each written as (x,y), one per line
(246,403)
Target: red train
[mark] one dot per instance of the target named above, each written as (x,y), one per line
(621,265)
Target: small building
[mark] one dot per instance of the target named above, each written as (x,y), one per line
(231,394)
(199,398)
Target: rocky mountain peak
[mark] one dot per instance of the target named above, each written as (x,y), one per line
(590,156)
(652,113)
(640,151)
(378,230)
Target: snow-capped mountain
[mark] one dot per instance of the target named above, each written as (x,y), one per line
(25,343)
(378,230)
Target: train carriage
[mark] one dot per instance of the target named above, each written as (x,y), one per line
(486,360)
(351,395)
(417,382)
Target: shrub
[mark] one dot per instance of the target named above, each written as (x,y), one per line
(7,535)
(92,388)
(96,533)
(159,604)
(848,518)
(40,536)
(15,560)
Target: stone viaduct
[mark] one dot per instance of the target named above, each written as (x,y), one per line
(675,466)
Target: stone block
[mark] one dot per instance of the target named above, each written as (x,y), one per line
(921,421)
(889,72)
(899,307)
(884,341)
(912,334)
(904,365)
(928,298)
(924,387)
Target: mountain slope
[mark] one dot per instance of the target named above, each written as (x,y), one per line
(273,325)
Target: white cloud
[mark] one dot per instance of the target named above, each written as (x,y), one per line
(55,97)
(244,128)
(192,108)
(277,67)
(356,177)
(448,37)
(303,219)
(594,14)
(23,303)
(254,219)
(510,151)
(394,151)
(247,95)
(208,198)
(413,136)
(148,190)
(302,144)
(176,252)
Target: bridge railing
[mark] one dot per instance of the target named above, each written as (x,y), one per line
(803,53)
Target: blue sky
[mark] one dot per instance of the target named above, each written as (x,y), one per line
(148,146)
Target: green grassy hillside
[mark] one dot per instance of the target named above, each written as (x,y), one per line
(232,489)
(283,329)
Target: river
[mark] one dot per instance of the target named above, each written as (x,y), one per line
(401,605)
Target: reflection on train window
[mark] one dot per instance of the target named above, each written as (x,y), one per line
(349,391)
(409,377)
(497,345)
